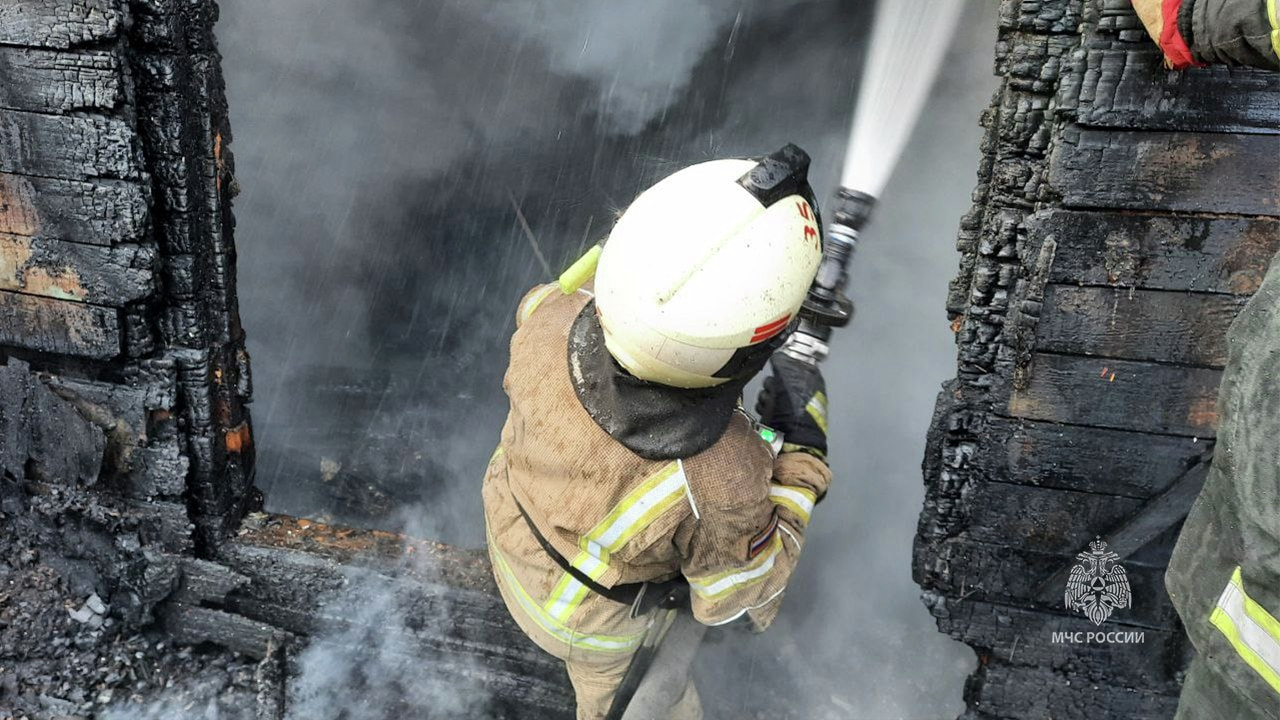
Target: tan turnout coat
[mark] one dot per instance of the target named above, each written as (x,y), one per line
(731,519)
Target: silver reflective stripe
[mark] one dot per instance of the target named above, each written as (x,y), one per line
(1251,630)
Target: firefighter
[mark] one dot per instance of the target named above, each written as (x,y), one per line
(1224,576)
(626,457)
(1193,33)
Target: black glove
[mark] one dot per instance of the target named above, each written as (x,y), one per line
(794,402)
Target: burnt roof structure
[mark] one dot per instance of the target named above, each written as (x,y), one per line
(1123,216)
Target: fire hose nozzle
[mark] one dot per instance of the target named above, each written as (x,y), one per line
(826,307)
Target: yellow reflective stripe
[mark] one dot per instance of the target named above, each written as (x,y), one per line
(817,409)
(797,500)
(497,453)
(657,494)
(1250,629)
(1274,17)
(714,587)
(603,643)
(534,301)
(567,595)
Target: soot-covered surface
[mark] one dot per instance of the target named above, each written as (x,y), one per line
(383,151)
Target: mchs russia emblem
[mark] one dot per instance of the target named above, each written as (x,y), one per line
(1098,584)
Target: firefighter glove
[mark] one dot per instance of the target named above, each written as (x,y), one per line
(794,402)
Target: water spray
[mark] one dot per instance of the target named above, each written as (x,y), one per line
(908,42)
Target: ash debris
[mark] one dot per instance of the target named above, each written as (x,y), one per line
(64,655)
(82,570)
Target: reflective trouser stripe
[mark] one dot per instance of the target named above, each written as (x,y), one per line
(817,409)
(714,587)
(1251,630)
(602,643)
(635,512)
(797,500)
(1274,17)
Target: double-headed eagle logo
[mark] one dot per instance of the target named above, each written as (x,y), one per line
(1098,584)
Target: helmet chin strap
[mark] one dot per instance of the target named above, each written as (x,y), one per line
(656,422)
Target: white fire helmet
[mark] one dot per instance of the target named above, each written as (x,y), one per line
(701,270)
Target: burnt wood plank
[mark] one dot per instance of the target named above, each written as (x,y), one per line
(1085,459)
(1158,252)
(1156,518)
(85,273)
(1137,324)
(1024,692)
(1181,171)
(59,23)
(58,81)
(301,579)
(76,148)
(1011,574)
(193,625)
(1041,16)
(41,435)
(1132,89)
(1046,520)
(100,212)
(1024,638)
(1166,399)
(58,326)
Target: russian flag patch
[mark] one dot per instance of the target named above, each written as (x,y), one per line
(759,542)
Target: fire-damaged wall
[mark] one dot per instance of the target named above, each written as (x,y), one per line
(125,447)
(1123,216)
(131,582)
(117,282)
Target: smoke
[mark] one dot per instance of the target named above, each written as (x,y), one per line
(373,668)
(379,147)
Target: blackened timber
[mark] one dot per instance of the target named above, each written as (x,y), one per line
(58,326)
(1165,399)
(1041,16)
(59,23)
(1042,519)
(85,273)
(1084,459)
(74,148)
(41,434)
(1137,324)
(54,81)
(316,580)
(1158,251)
(1019,692)
(1182,171)
(97,212)
(194,625)
(1014,575)
(1132,89)
(1153,520)
(1024,638)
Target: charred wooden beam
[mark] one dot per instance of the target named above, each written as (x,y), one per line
(295,582)
(98,212)
(1121,220)
(1183,171)
(71,271)
(1157,251)
(59,23)
(59,326)
(54,81)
